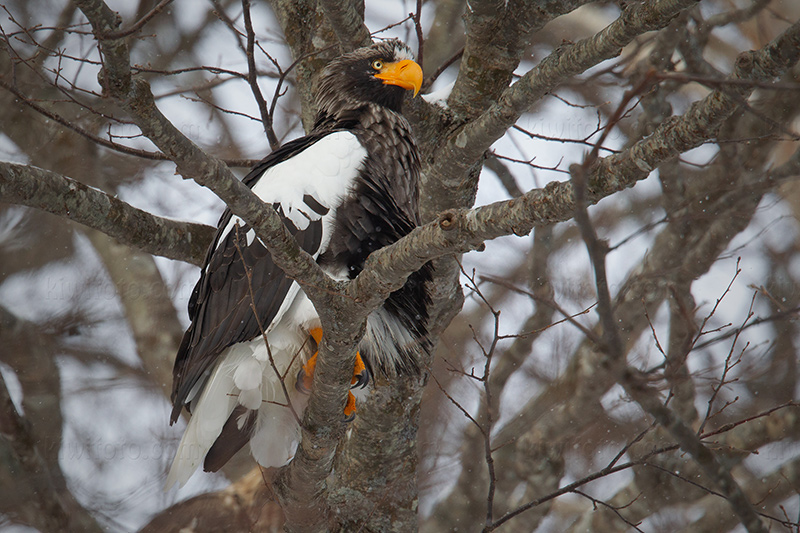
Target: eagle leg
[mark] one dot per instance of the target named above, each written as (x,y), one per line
(360,373)
(306,375)
(350,408)
(360,377)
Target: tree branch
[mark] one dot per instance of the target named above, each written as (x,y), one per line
(147,305)
(134,94)
(387,269)
(35,491)
(689,442)
(252,78)
(246,506)
(301,485)
(467,145)
(635,385)
(459,231)
(498,34)
(51,192)
(347,21)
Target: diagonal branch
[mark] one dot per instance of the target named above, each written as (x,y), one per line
(689,442)
(138,25)
(498,34)
(51,192)
(636,385)
(455,232)
(33,486)
(305,478)
(252,78)
(135,96)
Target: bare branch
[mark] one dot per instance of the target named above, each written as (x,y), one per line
(498,33)
(51,192)
(364,476)
(35,491)
(637,386)
(467,145)
(135,96)
(244,507)
(139,24)
(252,78)
(148,308)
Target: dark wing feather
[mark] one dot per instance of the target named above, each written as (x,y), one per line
(220,305)
(231,439)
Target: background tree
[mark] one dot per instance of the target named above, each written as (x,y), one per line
(632,365)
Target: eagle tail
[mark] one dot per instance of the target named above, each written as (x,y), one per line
(209,416)
(242,400)
(277,432)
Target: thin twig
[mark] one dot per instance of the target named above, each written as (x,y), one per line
(249,273)
(252,78)
(139,24)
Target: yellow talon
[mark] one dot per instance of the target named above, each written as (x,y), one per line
(316,334)
(350,407)
(308,371)
(306,375)
(358,369)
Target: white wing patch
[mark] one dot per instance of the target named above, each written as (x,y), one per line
(325,171)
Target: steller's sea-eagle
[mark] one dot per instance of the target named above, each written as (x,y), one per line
(346,189)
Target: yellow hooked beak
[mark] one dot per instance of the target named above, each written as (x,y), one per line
(406,74)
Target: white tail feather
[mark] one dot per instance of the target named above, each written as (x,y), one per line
(276,433)
(209,415)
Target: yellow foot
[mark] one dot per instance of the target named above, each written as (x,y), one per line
(360,373)
(350,408)
(316,334)
(305,376)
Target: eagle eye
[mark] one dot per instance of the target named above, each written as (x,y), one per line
(377,64)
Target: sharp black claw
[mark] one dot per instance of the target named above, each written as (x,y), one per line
(362,380)
(299,383)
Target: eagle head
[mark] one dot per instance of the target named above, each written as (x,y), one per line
(378,74)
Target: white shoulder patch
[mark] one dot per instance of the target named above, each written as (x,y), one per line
(325,171)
